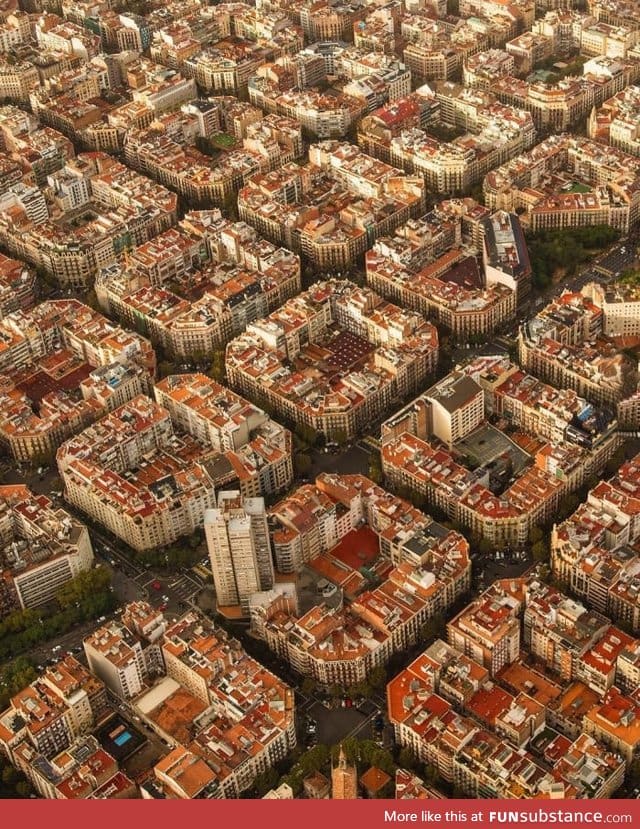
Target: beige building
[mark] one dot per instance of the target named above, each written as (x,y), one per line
(488,630)
(121,209)
(126,655)
(239,548)
(42,548)
(254,449)
(620,304)
(401,352)
(340,640)
(254,726)
(65,703)
(63,366)
(240,276)
(456,408)
(132,473)
(464,310)
(616,723)
(610,176)
(333,209)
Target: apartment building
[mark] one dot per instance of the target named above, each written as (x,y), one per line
(239,277)
(121,209)
(522,10)
(619,305)
(342,643)
(558,347)
(483,68)
(559,630)
(48,715)
(40,149)
(616,121)
(488,630)
(253,450)
(127,655)
(82,771)
(614,12)
(17,286)
(412,456)
(18,80)
(137,477)
(64,365)
(329,19)
(167,149)
(334,211)
(375,131)
(470,308)
(616,723)
(437,49)
(505,254)
(43,547)
(252,721)
(556,415)
(592,551)
(386,352)
(184,775)
(603,39)
(239,548)
(612,197)
(476,759)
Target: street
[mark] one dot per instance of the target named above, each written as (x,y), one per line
(177,592)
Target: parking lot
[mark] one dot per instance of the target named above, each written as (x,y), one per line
(336,724)
(487,569)
(353,461)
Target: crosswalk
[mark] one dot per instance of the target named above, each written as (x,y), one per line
(184,588)
(181,588)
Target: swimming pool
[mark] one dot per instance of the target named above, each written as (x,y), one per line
(123,738)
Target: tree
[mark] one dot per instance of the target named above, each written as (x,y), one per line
(23,788)
(430,775)
(407,759)
(307,433)
(84,586)
(484,547)
(540,551)
(418,500)
(217,370)
(308,686)
(433,628)
(266,781)
(377,677)
(15,676)
(375,468)
(302,463)
(562,251)
(567,506)
(340,436)
(615,462)
(13,783)
(314,759)
(165,368)
(535,535)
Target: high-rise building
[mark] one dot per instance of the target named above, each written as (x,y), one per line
(239,548)
(344,779)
